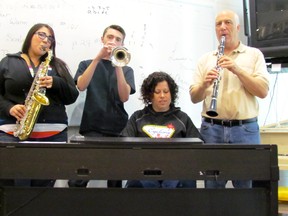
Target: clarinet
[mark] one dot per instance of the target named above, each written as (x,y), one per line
(213,105)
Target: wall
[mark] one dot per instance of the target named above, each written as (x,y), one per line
(167,35)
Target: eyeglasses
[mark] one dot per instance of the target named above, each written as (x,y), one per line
(42,36)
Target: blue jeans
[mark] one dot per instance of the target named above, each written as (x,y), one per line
(218,134)
(161,184)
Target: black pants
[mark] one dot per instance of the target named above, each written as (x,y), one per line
(34,182)
(114,184)
(6,182)
(27,182)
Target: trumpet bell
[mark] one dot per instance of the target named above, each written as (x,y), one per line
(120,57)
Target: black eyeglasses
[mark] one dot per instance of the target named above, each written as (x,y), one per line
(42,36)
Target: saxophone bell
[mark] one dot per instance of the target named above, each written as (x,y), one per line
(120,56)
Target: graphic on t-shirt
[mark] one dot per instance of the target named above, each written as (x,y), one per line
(159,131)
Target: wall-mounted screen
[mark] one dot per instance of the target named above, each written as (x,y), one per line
(267,26)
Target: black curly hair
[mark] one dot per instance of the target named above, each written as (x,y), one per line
(149,84)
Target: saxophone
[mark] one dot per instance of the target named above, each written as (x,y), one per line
(33,102)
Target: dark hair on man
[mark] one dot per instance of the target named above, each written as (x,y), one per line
(116,27)
(149,85)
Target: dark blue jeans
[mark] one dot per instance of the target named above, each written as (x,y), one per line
(218,134)
(161,184)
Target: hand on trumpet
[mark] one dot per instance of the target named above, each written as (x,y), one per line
(105,51)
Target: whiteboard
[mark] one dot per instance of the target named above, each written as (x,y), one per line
(166,35)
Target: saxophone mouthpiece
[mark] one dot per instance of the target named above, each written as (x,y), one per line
(44,48)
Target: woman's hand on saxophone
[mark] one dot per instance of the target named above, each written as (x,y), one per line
(18,111)
(46,82)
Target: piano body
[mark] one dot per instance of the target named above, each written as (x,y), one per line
(139,158)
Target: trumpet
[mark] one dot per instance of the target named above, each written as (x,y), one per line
(213,106)
(120,56)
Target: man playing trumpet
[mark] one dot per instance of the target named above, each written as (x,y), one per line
(108,88)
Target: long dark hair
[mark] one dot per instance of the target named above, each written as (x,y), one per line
(59,65)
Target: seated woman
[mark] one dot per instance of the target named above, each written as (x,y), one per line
(160,119)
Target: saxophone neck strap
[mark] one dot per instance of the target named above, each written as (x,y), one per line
(32,68)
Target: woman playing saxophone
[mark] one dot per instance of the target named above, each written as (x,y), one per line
(17,73)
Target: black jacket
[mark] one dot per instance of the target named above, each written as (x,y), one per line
(15,83)
(148,123)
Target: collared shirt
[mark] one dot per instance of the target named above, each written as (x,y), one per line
(233,100)
(104,112)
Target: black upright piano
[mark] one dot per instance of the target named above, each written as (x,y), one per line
(139,158)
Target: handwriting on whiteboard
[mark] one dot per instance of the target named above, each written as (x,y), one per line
(98,10)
